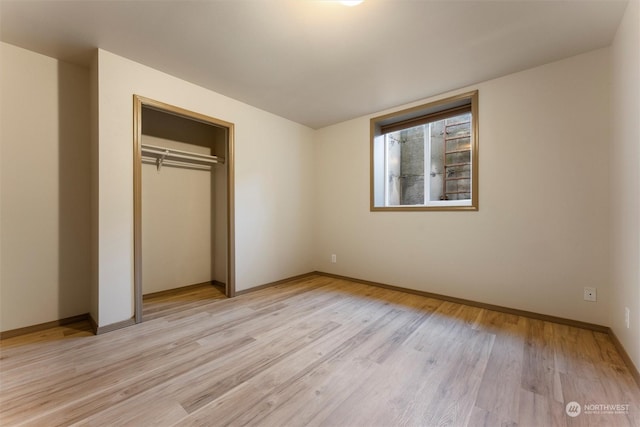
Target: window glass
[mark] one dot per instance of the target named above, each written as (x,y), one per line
(426,157)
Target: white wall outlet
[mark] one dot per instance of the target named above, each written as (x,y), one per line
(334,259)
(627,315)
(590,294)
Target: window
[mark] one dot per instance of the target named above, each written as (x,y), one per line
(426,158)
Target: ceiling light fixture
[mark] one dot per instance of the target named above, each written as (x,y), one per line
(351,2)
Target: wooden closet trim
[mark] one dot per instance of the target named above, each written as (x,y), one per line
(138,103)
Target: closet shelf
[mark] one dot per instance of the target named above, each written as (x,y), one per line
(172,157)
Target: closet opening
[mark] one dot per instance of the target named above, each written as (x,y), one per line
(183,204)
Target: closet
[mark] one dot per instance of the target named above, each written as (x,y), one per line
(183,200)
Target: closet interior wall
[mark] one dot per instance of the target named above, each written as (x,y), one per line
(184,239)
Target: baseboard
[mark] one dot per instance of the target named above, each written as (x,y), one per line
(625,356)
(114,326)
(501,309)
(43,326)
(277,282)
(94,324)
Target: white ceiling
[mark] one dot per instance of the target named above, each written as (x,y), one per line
(318,62)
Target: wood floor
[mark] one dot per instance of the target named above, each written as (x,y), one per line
(191,297)
(316,352)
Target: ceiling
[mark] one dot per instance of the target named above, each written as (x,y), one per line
(318,62)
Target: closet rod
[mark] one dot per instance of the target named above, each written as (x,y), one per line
(189,165)
(167,153)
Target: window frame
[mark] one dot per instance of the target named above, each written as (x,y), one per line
(415,116)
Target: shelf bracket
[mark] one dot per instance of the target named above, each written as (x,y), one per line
(161,160)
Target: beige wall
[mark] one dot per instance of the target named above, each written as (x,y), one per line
(273,182)
(45,190)
(625,182)
(541,233)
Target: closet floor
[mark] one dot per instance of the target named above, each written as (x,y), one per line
(168,302)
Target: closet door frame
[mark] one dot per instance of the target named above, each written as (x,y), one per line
(138,103)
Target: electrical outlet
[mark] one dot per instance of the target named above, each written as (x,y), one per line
(627,315)
(334,259)
(590,294)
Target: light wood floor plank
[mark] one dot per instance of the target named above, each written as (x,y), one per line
(500,388)
(317,351)
(131,387)
(538,364)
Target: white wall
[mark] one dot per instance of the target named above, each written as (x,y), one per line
(177,238)
(625,182)
(273,182)
(45,190)
(541,233)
